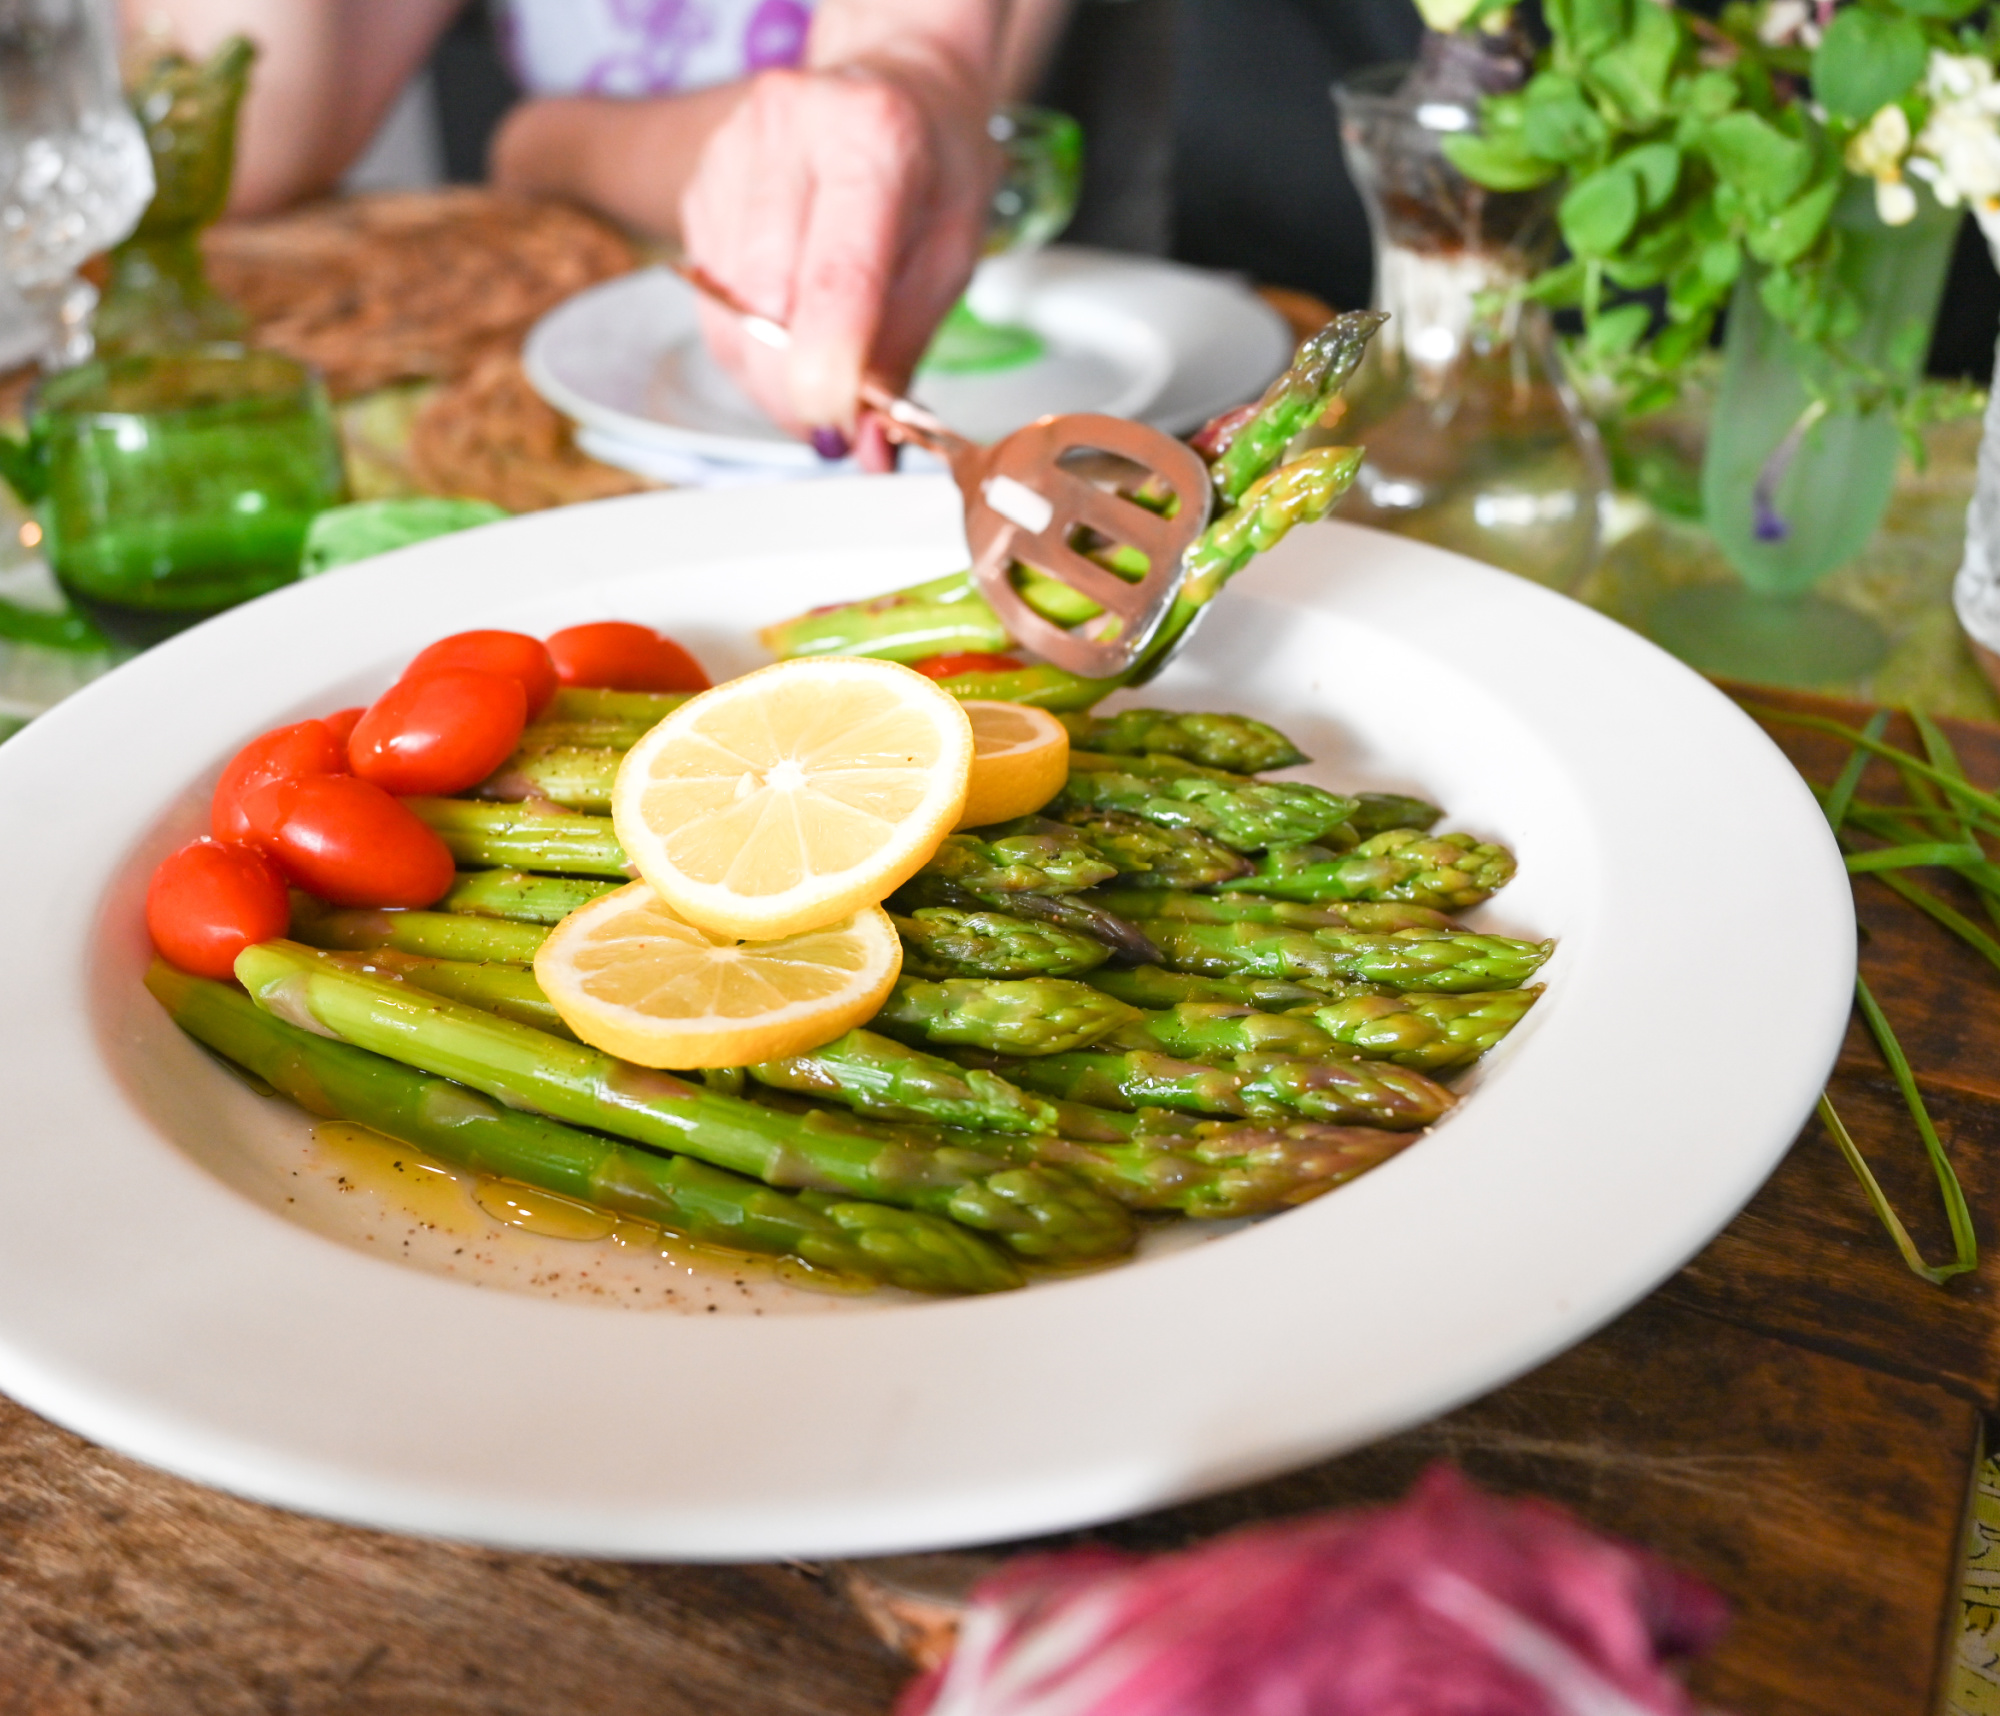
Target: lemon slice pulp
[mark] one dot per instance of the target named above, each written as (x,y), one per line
(792,796)
(630,976)
(1020,759)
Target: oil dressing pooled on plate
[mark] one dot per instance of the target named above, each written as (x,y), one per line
(358,1186)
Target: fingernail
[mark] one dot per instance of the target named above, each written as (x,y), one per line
(829,443)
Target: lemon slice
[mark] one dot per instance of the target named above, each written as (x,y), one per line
(1020,759)
(629,975)
(792,796)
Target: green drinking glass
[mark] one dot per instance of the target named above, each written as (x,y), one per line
(171,485)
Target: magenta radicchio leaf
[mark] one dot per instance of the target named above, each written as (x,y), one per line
(1452,1603)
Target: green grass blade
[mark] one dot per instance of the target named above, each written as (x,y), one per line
(1949,916)
(1934,854)
(1878,1200)
(1849,782)
(1983,806)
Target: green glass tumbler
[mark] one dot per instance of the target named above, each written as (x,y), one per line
(171,485)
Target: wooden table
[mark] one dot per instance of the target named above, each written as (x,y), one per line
(1794,1416)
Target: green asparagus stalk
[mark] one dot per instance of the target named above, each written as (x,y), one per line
(1038,1213)
(1146,904)
(1155,989)
(943,617)
(902,1247)
(1377,812)
(1245,815)
(1429,1032)
(641,709)
(1217,741)
(887,1080)
(1071,912)
(523,898)
(435,935)
(596,735)
(1221,1030)
(1338,1092)
(509,990)
(577,777)
(1449,873)
(1149,856)
(1032,855)
(1445,961)
(1295,401)
(514,837)
(941,942)
(1032,1016)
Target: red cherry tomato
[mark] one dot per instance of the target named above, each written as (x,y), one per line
(351,843)
(341,724)
(965,661)
(514,655)
(614,655)
(283,754)
(210,901)
(440,733)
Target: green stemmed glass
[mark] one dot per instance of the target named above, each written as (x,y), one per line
(171,485)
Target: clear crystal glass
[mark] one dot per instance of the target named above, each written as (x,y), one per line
(74,171)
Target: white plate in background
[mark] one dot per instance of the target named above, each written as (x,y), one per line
(170,1310)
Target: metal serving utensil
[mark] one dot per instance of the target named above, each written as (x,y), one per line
(1041,496)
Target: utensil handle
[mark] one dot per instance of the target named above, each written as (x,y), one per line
(906,419)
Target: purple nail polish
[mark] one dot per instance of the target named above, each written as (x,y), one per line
(829,443)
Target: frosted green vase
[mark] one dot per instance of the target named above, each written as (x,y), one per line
(1789,498)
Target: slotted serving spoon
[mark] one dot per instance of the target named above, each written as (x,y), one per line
(1038,497)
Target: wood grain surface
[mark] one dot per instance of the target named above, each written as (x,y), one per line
(1794,1416)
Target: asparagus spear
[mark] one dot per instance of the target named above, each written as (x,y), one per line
(642,709)
(578,777)
(942,617)
(1376,811)
(1149,856)
(436,935)
(608,735)
(1158,1160)
(902,1247)
(1233,742)
(1447,961)
(1039,1213)
(1074,912)
(939,941)
(1295,401)
(1261,1086)
(1154,988)
(514,837)
(1145,904)
(1450,872)
(1033,1016)
(1031,855)
(1241,813)
(509,990)
(877,1076)
(1221,1030)
(1431,1032)
(517,895)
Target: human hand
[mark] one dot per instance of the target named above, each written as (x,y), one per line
(849,204)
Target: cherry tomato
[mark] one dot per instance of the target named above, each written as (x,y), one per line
(351,843)
(283,754)
(514,655)
(614,655)
(210,901)
(965,661)
(441,732)
(341,724)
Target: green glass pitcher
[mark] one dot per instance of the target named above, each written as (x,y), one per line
(171,485)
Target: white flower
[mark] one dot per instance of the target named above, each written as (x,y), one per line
(1895,202)
(1878,148)
(1782,20)
(1955,78)
(1965,145)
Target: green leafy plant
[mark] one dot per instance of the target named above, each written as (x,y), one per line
(1690,151)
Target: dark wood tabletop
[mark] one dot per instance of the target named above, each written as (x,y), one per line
(1794,1416)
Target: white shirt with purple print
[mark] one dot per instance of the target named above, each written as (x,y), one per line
(648,47)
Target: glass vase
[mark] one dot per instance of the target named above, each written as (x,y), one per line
(1474,439)
(1791,490)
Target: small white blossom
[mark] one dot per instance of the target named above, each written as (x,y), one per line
(1782,21)
(1895,202)
(1955,78)
(1878,148)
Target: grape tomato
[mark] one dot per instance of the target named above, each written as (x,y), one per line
(965,661)
(283,754)
(212,899)
(616,655)
(353,844)
(514,655)
(439,733)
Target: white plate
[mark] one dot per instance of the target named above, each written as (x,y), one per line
(1126,335)
(151,1306)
